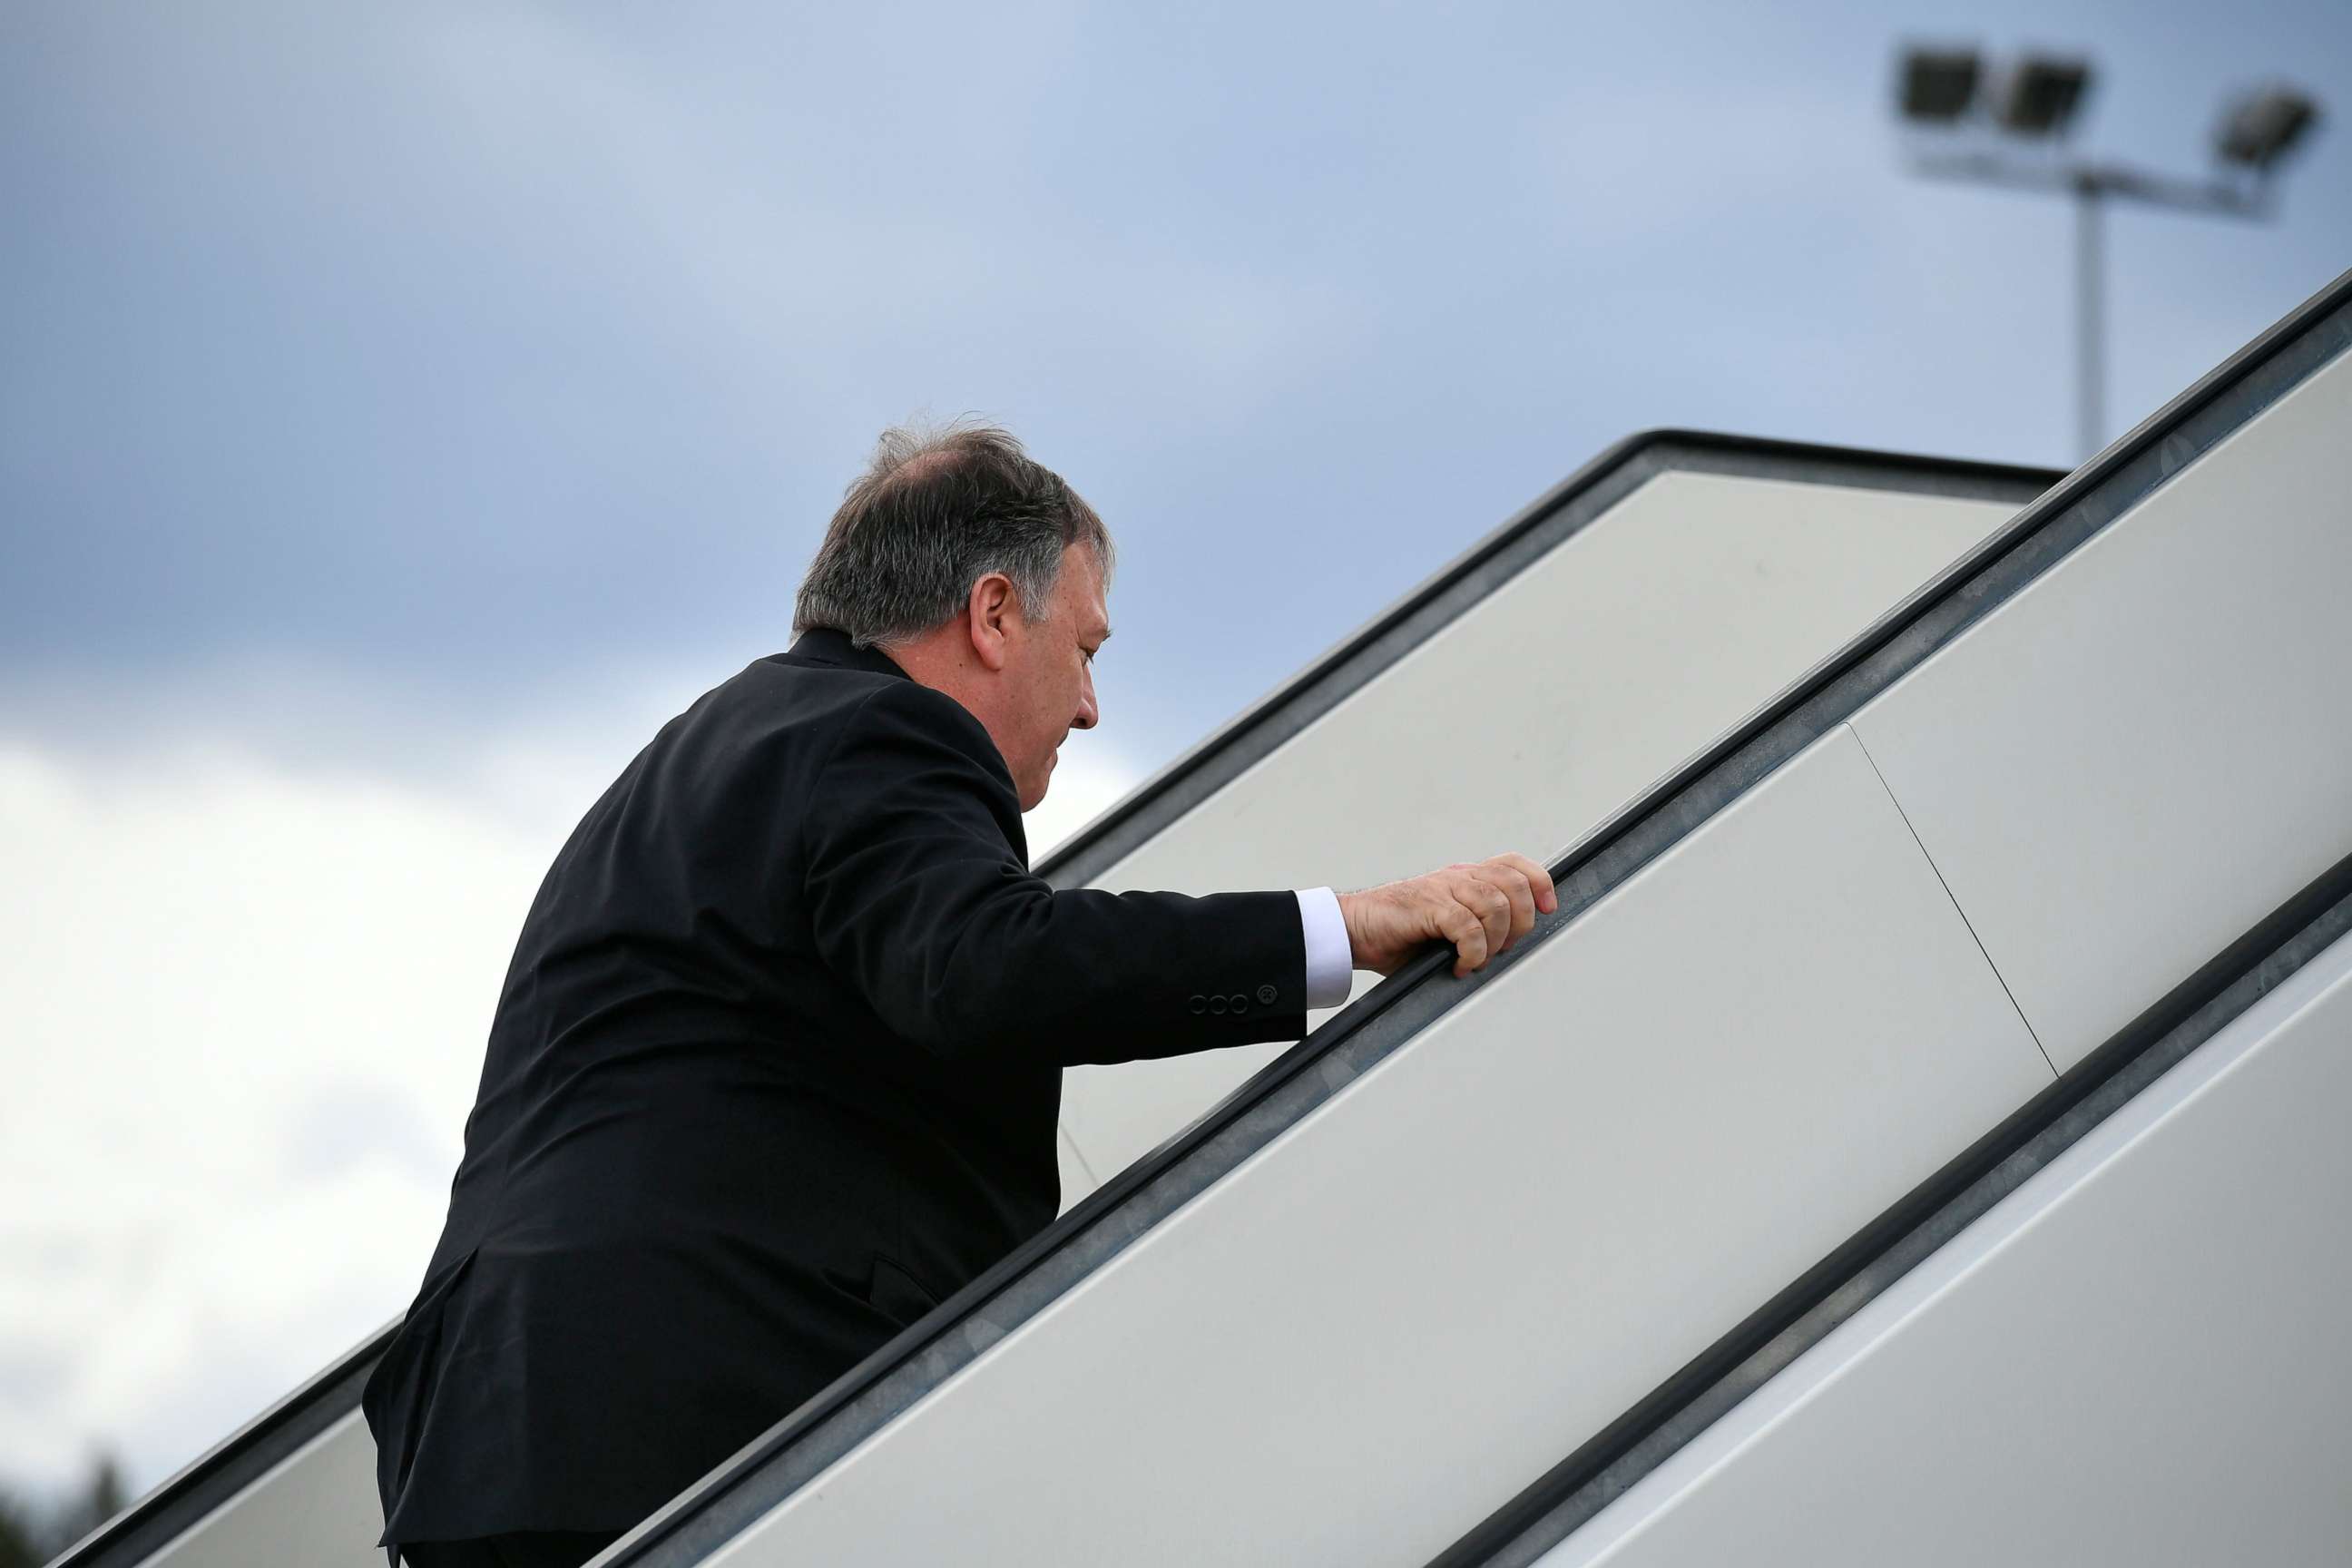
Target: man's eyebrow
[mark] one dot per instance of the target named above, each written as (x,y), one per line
(1104,637)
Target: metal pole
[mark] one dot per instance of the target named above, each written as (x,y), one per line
(2090,326)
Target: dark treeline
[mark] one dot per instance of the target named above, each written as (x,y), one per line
(31,1534)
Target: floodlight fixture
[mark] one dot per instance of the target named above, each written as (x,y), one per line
(1938,85)
(2041,93)
(2037,98)
(2261,128)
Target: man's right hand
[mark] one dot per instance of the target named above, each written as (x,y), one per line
(1482,909)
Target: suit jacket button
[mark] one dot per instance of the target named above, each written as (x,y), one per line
(1217,1005)
(1200,1003)
(1266,995)
(1240,1003)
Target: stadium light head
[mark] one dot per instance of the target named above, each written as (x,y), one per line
(2040,95)
(1938,85)
(2261,128)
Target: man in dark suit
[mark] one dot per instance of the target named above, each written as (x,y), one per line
(777,1064)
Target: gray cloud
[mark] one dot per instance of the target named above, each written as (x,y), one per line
(467,346)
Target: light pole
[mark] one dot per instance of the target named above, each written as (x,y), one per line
(1989,125)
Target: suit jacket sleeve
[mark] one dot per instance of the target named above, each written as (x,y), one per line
(921,896)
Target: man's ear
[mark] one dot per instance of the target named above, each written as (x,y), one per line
(987,613)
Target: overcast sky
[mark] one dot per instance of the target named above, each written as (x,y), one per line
(405,409)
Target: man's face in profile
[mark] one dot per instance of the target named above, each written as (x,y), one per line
(1052,681)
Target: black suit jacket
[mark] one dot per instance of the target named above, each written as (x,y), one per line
(776,1069)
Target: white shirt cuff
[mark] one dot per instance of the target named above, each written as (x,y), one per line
(1330,957)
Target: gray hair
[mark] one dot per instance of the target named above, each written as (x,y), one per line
(936,511)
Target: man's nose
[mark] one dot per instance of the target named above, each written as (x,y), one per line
(1089,714)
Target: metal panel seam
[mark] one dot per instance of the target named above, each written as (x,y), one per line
(2032,1033)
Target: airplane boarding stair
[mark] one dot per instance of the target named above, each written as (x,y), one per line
(1916,1137)
(1480,1255)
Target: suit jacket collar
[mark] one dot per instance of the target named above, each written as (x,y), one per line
(823,644)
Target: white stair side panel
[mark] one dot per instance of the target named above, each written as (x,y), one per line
(2146,751)
(2136,1357)
(1590,675)
(317,1506)
(1376,1328)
